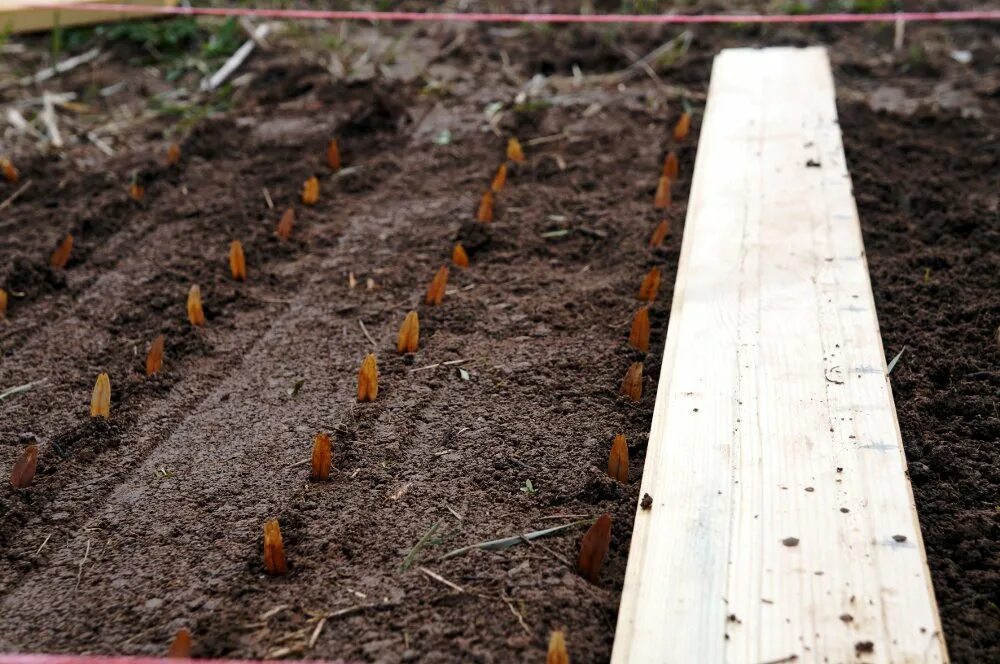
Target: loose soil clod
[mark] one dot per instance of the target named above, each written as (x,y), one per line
(435,293)
(618,459)
(180,647)
(499,180)
(594,548)
(9,171)
(173,155)
(662,199)
(24,468)
(322,458)
(60,256)
(671,167)
(196,315)
(154,358)
(484,213)
(274,549)
(459,257)
(650,285)
(632,383)
(310,191)
(284,230)
(682,127)
(638,338)
(333,155)
(237,261)
(557,649)
(368,379)
(514,151)
(100,400)
(409,334)
(660,234)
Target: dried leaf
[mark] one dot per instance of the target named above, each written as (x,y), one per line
(557,649)
(274,549)
(310,191)
(195,313)
(351,280)
(333,155)
(10,172)
(322,457)
(435,293)
(459,257)
(618,459)
(368,379)
(60,256)
(499,180)
(100,400)
(409,334)
(136,191)
(594,548)
(180,647)
(24,468)
(638,338)
(237,261)
(662,199)
(154,358)
(682,127)
(632,383)
(3,304)
(173,154)
(514,151)
(485,211)
(284,229)
(671,167)
(660,234)
(650,285)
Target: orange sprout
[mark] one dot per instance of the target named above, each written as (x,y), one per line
(173,154)
(499,180)
(180,647)
(514,151)
(618,459)
(662,199)
(24,468)
(650,285)
(485,211)
(638,338)
(136,191)
(310,191)
(322,458)
(274,549)
(60,256)
(670,165)
(237,261)
(594,548)
(154,358)
(459,257)
(660,234)
(409,334)
(632,383)
(284,229)
(368,379)
(9,171)
(333,155)
(196,314)
(435,292)
(100,400)
(557,649)
(3,304)
(682,127)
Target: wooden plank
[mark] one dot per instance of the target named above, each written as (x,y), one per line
(19,16)
(774,416)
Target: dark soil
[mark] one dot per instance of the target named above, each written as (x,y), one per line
(153,521)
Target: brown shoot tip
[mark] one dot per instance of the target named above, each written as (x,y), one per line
(136,191)
(196,314)
(274,549)
(10,172)
(618,459)
(24,468)
(322,458)
(368,379)
(638,338)
(173,154)
(514,151)
(557,649)
(333,155)
(459,257)
(650,285)
(435,293)
(660,234)
(237,261)
(409,334)
(3,304)
(154,358)
(671,167)
(484,213)
(594,548)
(100,400)
(60,256)
(632,383)
(310,191)
(499,180)
(682,127)
(662,199)
(284,229)
(180,647)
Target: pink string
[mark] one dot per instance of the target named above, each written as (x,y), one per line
(474,17)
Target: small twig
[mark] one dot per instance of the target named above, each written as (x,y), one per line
(48,117)
(520,618)
(440,364)
(541,140)
(565,516)
(267,199)
(13,197)
(440,579)
(83,561)
(298,463)
(365,330)
(236,60)
(18,389)
(61,68)
(43,544)
(316,632)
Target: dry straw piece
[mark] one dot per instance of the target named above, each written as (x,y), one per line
(682,127)
(333,155)
(136,191)
(274,549)
(514,151)
(100,400)
(409,334)
(196,315)
(618,459)
(310,191)
(10,172)
(499,180)
(180,647)
(173,154)
(24,468)
(485,211)
(368,379)
(435,293)
(632,383)
(237,261)
(557,649)
(322,458)
(660,234)
(459,257)
(154,358)
(671,167)
(60,256)
(594,548)
(650,285)
(638,338)
(662,199)
(3,304)
(284,229)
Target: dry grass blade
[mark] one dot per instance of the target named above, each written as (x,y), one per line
(484,213)
(557,649)
(196,315)
(459,257)
(154,358)
(310,191)
(24,468)
(671,167)
(3,304)
(180,647)
(638,338)
(274,549)
(682,127)
(660,234)
(650,285)
(409,334)
(618,459)
(173,154)
(514,151)
(594,548)
(421,543)
(284,229)
(499,180)
(507,542)
(237,261)
(632,383)
(9,171)
(322,458)
(333,155)
(100,399)
(662,199)
(368,379)
(435,292)
(60,256)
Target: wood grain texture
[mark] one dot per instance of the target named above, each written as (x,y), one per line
(783,521)
(19,16)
